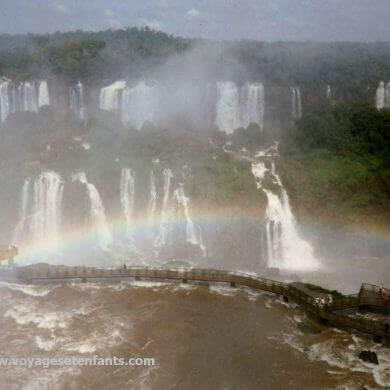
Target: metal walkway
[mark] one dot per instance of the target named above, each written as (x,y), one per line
(369,295)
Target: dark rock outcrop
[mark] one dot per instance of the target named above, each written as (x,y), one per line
(369,357)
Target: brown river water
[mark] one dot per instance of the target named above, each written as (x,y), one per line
(200,337)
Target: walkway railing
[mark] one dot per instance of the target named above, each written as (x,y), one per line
(368,296)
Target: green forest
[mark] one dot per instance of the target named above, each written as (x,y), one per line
(337,160)
(354,69)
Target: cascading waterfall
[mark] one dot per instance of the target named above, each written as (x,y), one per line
(152,197)
(380,96)
(228,108)
(193,234)
(252,105)
(387,99)
(183,201)
(285,249)
(40,217)
(27,97)
(296,103)
(328,92)
(110,96)
(238,108)
(76,100)
(47,201)
(97,212)
(5,105)
(19,231)
(162,236)
(127,194)
(138,105)
(22,97)
(43,95)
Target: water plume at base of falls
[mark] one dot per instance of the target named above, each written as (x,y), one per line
(285,249)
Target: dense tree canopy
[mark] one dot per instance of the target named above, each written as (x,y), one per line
(352,69)
(343,129)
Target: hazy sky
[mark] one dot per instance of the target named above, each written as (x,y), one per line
(358,20)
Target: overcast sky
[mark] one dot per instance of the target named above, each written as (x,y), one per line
(327,20)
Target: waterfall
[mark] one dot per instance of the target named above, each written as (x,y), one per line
(23,97)
(296,102)
(97,212)
(252,105)
(152,197)
(19,231)
(43,95)
(328,92)
(110,96)
(162,236)
(76,100)
(238,108)
(127,193)
(47,201)
(27,97)
(285,249)
(380,96)
(387,100)
(183,201)
(138,105)
(5,107)
(193,234)
(228,109)
(40,214)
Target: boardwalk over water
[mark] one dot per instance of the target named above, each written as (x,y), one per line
(369,296)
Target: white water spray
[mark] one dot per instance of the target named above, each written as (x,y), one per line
(40,214)
(27,97)
(380,96)
(110,96)
(5,106)
(97,212)
(138,105)
(127,193)
(328,92)
(228,109)
(162,236)
(252,105)
(238,108)
(184,202)
(18,234)
(285,249)
(152,197)
(296,103)
(387,98)
(76,100)
(43,95)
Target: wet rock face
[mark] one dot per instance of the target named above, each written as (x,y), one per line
(369,357)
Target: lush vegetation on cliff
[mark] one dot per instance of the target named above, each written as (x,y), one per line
(337,162)
(350,68)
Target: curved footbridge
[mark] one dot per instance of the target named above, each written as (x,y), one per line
(369,296)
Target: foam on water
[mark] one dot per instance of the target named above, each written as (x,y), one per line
(32,290)
(44,344)
(26,314)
